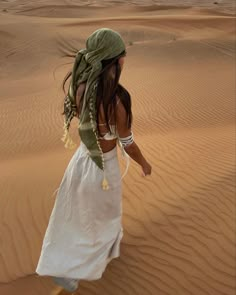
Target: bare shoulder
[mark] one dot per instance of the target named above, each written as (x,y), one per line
(121,113)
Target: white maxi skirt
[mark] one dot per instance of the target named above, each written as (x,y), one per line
(85,227)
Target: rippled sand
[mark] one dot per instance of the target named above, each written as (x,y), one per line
(179,223)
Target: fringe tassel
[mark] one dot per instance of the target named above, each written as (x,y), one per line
(105,185)
(66,138)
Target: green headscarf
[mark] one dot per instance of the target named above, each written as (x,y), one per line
(102,44)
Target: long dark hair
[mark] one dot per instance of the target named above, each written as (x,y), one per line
(107,91)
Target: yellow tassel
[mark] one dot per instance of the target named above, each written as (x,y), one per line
(65,135)
(105,185)
(66,144)
(68,140)
(70,144)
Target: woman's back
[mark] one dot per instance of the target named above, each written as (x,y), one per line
(107,140)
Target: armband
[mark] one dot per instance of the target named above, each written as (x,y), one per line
(125,141)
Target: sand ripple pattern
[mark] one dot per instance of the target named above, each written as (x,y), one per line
(179,224)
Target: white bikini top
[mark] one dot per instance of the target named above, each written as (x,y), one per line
(113,134)
(108,135)
(121,142)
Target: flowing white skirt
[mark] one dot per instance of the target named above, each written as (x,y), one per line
(85,226)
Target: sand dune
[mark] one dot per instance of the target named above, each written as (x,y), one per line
(179,224)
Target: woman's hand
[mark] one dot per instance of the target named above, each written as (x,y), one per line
(146,169)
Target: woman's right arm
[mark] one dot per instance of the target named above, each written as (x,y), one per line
(132,148)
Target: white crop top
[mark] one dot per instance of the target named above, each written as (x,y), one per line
(113,135)
(108,135)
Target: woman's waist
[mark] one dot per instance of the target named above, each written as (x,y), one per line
(107,145)
(106,155)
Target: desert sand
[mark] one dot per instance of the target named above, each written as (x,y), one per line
(179,223)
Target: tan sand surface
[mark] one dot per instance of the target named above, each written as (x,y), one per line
(179,223)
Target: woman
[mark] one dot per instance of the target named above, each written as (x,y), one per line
(85,228)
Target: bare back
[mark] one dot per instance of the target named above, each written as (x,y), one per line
(106,145)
